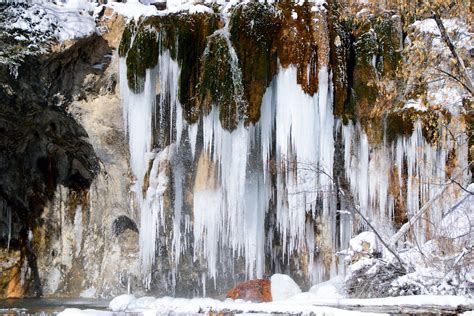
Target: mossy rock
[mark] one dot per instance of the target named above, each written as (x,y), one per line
(253,28)
(375,56)
(184,35)
(341,59)
(264,35)
(141,56)
(126,40)
(401,123)
(216,84)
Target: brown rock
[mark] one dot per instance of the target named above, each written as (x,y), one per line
(15,287)
(254,290)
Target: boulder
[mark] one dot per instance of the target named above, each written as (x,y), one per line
(254,290)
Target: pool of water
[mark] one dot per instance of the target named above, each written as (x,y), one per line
(48,306)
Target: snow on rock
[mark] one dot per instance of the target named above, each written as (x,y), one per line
(331,289)
(366,243)
(141,303)
(429,26)
(416,105)
(283,287)
(133,10)
(62,22)
(122,302)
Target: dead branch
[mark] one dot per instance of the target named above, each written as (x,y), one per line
(459,63)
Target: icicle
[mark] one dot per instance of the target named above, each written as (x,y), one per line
(177,216)
(78,229)
(192,135)
(138,111)
(152,212)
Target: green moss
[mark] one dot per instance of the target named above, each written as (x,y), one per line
(398,123)
(375,57)
(184,36)
(340,54)
(126,40)
(401,123)
(215,84)
(387,30)
(142,55)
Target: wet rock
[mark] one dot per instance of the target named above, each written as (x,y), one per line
(253,290)
(122,223)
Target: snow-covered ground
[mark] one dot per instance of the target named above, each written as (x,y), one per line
(304,303)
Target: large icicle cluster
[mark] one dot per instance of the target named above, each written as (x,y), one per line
(233,182)
(418,167)
(265,191)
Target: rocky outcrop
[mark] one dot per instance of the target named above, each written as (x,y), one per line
(65,221)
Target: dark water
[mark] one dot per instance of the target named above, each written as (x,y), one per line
(48,306)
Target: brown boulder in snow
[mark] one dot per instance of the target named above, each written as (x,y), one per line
(254,290)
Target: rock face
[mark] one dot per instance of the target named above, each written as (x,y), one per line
(253,290)
(66,223)
(238,139)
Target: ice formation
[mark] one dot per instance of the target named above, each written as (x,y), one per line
(282,165)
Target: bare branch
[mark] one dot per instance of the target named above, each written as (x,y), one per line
(455,78)
(459,63)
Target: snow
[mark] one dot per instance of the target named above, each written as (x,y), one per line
(301,303)
(88,293)
(205,305)
(133,9)
(64,22)
(415,104)
(331,289)
(120,303)
(283,287)
(414,300)
(84,312)
(429,25)
(366,242)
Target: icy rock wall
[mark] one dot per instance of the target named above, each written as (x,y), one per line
(223,204)
(233,183)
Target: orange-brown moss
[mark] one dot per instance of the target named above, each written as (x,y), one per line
(253,28)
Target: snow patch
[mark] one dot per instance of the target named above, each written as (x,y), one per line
(120,303)
(63,22)
(88,293)
(283,287)
(332,289)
